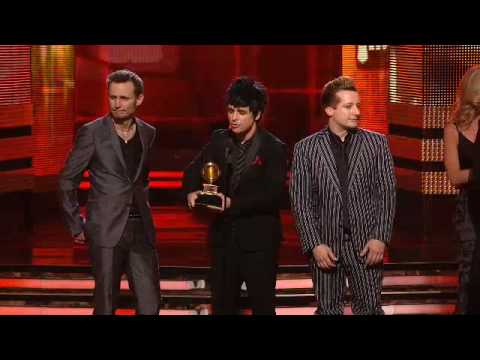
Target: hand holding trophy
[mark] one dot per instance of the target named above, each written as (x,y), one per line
(210,197)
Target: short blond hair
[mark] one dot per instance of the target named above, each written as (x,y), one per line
(331,88)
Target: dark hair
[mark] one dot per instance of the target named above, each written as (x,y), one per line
(331,88)
(122,76)
(244,91)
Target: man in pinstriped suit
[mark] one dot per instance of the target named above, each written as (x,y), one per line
(343,199)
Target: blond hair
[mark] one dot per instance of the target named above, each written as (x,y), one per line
(331,88)
(467,104)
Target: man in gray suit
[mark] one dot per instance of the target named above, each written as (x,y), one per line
(343,199)
(119,226)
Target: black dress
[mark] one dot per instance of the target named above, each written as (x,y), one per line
(467,221)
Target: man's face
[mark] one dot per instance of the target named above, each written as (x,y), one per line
(346,113)
(240,119)
(122,100)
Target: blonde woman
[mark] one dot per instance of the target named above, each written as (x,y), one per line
(462,166)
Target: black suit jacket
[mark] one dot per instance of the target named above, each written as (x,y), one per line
(253,219)
(97,148)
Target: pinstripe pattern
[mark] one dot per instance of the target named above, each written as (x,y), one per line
(317,203)
(365,285)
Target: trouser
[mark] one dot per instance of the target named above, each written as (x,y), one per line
(231,267)
(137,258)
(365,283)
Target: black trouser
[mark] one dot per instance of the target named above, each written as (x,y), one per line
(232,266)
(137,258)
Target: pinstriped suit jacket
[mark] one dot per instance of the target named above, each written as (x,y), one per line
(315,191)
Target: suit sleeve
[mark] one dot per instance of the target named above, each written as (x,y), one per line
(71,176)
(302,196)
(265,198)
(385,193)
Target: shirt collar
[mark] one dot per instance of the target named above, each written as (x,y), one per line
(336,138)
(245,144)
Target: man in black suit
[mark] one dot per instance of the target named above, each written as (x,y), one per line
(119,227)
(245,236)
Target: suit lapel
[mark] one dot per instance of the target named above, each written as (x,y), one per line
(253,151)
(115,141)
(326,150)
(224,157)
(354,154)
(143,138)
(251,154)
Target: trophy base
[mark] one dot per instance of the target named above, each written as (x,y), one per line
(209,200)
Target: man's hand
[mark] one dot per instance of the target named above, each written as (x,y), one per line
(374,251)
(324,257)
(191,198)
(80,239)
(226,203)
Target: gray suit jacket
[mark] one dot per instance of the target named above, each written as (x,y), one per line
(315,191)
(97,149)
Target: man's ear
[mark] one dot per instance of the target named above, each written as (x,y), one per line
(259,115)
(139,99)
(329,111)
